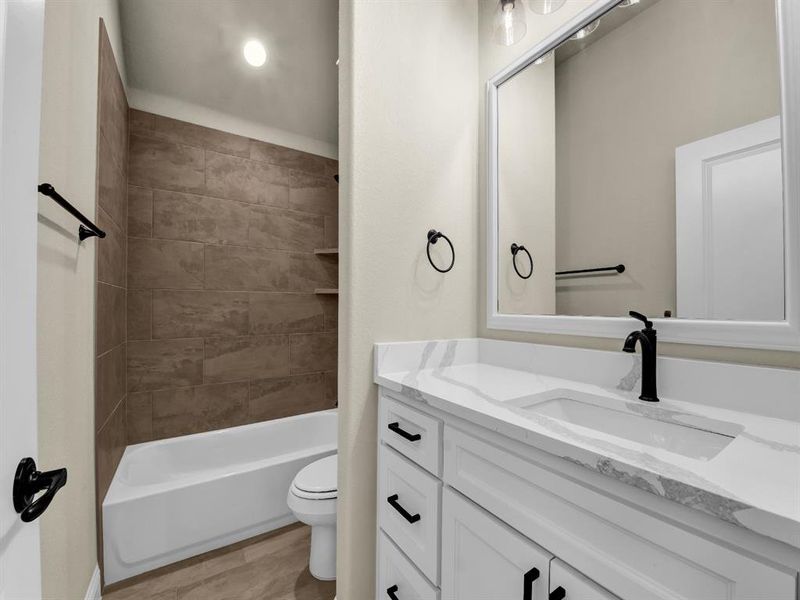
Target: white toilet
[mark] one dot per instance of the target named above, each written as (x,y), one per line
(312,499)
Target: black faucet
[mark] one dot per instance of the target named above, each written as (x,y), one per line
(647,340)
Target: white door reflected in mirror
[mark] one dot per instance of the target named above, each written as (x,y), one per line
(729,225)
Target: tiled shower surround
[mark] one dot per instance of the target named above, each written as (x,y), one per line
(223,323)
(110,339)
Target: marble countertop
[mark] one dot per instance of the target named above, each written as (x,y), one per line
(752,482)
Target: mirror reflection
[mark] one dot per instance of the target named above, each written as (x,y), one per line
(639,166)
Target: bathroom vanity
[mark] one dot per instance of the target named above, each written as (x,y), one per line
(509,470)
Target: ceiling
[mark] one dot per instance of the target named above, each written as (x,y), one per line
(191,50)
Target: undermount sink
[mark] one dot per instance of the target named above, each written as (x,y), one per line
(688,435)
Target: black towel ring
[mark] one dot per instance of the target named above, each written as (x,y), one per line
(516,250)
(433,237)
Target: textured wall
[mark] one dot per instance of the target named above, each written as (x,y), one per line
(408,146)
(66,282)
(110,318)
(224,325)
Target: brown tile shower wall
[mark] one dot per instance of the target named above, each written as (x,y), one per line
(111,277)
(224,327)
(110,335)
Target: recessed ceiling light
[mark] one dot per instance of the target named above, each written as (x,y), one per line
(254,53)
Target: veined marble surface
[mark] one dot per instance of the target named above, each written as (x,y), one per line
(752,482)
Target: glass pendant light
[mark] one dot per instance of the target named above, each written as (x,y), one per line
(509,22)
(585,31)
(545,7)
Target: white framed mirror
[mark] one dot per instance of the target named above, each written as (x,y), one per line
(652,165)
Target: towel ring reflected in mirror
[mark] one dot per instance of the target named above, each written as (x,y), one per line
(515,249)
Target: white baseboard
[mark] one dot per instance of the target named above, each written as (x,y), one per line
(93,591)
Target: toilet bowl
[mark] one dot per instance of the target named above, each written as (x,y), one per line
(312,498)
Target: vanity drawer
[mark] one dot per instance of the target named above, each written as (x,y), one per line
(412,433)
(409,501)
(630,552)
(398,574)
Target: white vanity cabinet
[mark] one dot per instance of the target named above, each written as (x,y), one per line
(481,517)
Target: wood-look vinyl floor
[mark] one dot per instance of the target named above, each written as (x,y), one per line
(273,566)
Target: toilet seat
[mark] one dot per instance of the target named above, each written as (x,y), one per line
(317,481)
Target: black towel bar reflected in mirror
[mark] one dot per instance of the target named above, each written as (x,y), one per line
(617,268)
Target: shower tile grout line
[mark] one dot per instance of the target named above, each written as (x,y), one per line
(111,413)
(232,245)
(230,382)
(157,135)
(236,291)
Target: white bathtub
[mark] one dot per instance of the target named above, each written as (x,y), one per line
(176,498)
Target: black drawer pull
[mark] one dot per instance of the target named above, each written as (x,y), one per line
(558,594)
(392,593)
(403,512)
(527,583)
(411,437)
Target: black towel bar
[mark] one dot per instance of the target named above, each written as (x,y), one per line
(87,229)
(617,268)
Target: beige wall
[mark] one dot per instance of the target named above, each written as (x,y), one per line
(623,105)
(408,148)
(526,173)
(492,59)
(66,288)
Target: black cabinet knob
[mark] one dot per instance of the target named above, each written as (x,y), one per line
(392,592)
(558,594)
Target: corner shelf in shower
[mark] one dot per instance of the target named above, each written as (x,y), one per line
(326,251)
(326,291)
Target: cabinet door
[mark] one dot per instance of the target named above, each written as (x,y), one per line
(567,584)
(484,558)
